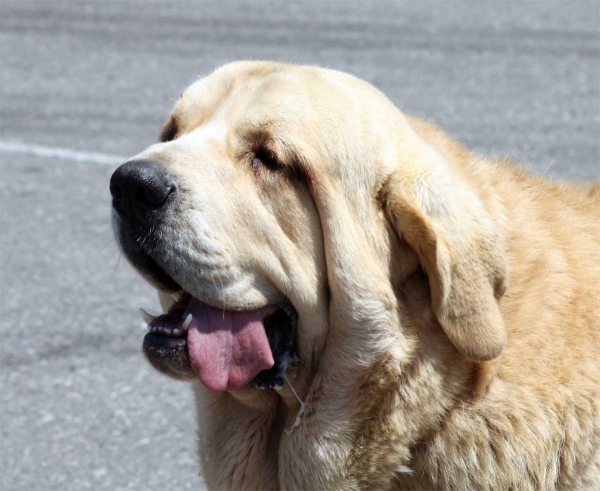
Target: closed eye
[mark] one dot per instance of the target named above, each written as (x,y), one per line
(264,158)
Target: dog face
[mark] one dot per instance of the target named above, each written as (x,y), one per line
(281,198)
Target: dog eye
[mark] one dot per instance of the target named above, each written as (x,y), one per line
(264,158)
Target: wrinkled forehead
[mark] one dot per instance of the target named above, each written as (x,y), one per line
(333,121)
(244,98)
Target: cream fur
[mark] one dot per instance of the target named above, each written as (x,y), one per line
(449,305)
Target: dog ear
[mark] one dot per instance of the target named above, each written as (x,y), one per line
(457,244)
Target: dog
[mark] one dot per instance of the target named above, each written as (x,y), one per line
(357,300)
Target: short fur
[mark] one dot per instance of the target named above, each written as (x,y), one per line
(449,305)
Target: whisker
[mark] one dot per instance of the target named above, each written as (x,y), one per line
(222,288)
(548,168)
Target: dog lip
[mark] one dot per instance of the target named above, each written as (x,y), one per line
(143,261)
(168,355)
(157,341)
(148,267)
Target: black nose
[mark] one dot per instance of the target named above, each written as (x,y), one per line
(138,188)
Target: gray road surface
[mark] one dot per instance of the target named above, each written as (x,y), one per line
(79,408)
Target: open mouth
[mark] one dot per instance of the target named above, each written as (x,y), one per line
(226,350)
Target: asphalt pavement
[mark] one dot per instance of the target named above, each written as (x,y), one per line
(86,84)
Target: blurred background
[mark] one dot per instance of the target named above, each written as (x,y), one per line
(86,84)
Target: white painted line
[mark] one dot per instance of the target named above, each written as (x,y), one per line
(60,153)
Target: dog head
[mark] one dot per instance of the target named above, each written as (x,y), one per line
(278,214)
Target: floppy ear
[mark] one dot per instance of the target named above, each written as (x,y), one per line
(459,248)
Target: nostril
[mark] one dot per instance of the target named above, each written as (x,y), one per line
(141,197)
(115,191)
(153,196)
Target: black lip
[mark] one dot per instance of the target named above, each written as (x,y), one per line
(158,342)
(140,259)
(168,355)
(159,275)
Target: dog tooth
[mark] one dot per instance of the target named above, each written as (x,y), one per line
(168,331)
(187,322)
(176,331)
(148,318)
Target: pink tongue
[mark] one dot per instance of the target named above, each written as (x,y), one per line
(227,349)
